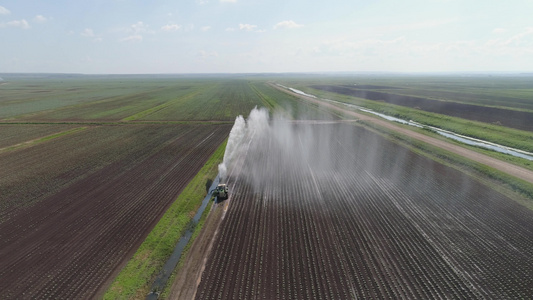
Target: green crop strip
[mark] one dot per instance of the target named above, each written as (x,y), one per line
(269,103)
(41,140)
(135,280)
(152,110)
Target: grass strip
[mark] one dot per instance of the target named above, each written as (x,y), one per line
(510,186)
(155,109)
(135,280)
(41,140)
(268,102)
(165,293)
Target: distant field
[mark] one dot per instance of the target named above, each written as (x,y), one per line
(499,91)
(505,117)
(379,93)
(111,99)
(289,106)
(214,101)
(31,95)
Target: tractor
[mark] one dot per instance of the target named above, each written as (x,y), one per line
(221,192)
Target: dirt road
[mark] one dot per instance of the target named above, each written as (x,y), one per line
(506,167)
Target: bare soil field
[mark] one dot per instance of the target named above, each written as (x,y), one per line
(510,118)
(30,174)
(364,224)
(69,243)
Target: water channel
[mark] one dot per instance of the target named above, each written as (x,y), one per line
(162,278)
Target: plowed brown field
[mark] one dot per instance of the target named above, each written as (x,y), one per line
(68,240)
(375,221)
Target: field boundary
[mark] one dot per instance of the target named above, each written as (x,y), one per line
(41,139)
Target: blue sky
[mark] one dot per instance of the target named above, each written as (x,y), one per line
(235,36)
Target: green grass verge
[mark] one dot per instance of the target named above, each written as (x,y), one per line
(165,293)
(135,280)
(519,190)
(43,139)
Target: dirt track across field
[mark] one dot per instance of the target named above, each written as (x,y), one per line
(506,167)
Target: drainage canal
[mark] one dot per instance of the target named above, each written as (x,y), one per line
(162,278)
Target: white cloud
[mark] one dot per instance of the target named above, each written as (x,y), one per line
(498,30)
(287,24)
(88,32)
(139,28)
(403,53)
(136,32)
(171,27)
(519,38)
(40,19)
(205,28)
(247,27)
(433,23)
(230,29)
(4,11)
(16,23)
(207,54)
(132,38)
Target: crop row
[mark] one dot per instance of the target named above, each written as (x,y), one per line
(83,98)
(365,224)
(30,174)
(214,101)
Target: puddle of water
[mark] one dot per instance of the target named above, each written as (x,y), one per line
(302,93)
(161,279)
